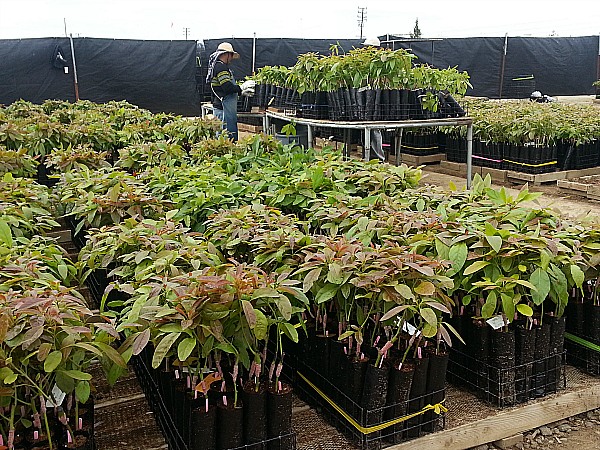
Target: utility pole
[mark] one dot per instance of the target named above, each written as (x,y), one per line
(362,18)
(186,30)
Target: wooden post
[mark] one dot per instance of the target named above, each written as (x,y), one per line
(74,68)
(503,61)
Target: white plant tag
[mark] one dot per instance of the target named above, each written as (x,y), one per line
(409,328)
(66,69)
(496,322)
(58,395)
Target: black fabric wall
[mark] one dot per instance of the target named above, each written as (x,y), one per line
(161,75)
(156,75)
(560,66)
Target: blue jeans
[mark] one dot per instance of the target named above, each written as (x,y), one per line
(228,115)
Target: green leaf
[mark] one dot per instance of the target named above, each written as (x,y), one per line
(285,307)
(290,331)
(112,354)
(525,310)
(77,375)
(317,177)
(310,278)
(265,292)
(477,265)
(334,274)
(249,313)
(508,306)
(83,391)
(185,348)
(326,292)
(52,361)
(426,288)
(540,279)
(163,348)
(10,379)
(430,316)
(495,242)
(458,253)
(404,291)
(261,327)
(5,233)
(63,271)
(578,275)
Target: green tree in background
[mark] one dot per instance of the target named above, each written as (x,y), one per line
(416,32)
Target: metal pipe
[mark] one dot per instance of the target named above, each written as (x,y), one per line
(503,61)
(367,144)
(469,153)
(253,52)
(74,68)
(398,146)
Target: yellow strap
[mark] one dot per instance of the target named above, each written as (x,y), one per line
(438,408)
(419,148)
(532,165)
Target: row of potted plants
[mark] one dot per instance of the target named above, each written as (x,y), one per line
(348,239)
(48,335)
(362,84)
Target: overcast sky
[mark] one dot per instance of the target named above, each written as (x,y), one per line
(309,19)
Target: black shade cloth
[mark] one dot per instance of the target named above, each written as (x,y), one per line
(156,75)
(560,66)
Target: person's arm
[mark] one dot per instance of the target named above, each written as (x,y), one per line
(222,78)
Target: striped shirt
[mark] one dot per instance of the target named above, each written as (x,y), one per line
(222,84)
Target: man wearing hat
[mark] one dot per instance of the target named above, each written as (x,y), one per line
(224,89)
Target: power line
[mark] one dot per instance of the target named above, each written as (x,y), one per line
(362,18)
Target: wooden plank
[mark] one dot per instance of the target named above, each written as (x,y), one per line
(583,172)
(420,160)
(573,186)
(454,166)
(497,175)
(508,423)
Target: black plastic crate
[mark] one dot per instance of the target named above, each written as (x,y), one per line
(504,387)
(369,428)
(530,158)
(456,149)
(488,154)
(420,144)
(148,380)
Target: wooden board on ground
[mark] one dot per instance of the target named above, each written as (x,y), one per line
(508,423)
(414,160)
(504,175)
(250,128)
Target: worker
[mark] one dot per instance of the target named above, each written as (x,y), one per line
(224,89)
(376,138)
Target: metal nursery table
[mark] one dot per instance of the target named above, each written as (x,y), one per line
(367,127)
(379,125)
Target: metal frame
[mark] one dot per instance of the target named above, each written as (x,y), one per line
(368,126)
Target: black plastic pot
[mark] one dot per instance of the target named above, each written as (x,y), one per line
(592,334)
(399,386)
(524,356)
(557,345)
(479,347)
(255,415)
(542,351)
(230,425)
(355,380)
(369,104)
(279,417)
(502,372)
(203,429)
(417,396)
(373,400)
(436,379)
